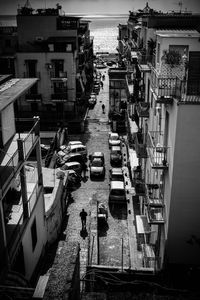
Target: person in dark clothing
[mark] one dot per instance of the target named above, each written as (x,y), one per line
(84,170)
(83,216)
(103,108)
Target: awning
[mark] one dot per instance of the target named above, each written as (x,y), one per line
(142,224)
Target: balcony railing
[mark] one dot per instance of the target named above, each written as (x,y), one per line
(12,163)
(143,109)
(61,76)
(155,215)
(165,86)
(140,146)
(154,196)
(158,153)
(59,97)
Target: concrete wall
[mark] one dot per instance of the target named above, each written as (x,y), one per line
(54,216)
(31,257)
(41,26)
(184,226)
(45,84)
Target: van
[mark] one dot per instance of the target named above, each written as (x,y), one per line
(117,192)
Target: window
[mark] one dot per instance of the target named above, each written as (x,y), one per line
(7,43)
(34,106)
(34,234)
(68,47)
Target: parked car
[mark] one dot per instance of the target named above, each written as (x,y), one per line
(117,192)
(74,165)
(92,101)
(116,174)
(116,156)
(71,143)
(97,168)
(97,154)
(113,139)
(73,149)
(60,161)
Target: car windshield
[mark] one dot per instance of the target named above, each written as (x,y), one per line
(114,138)
(97,163)
(116,152)
(117,177)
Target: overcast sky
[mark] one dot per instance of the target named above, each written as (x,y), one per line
(100,6)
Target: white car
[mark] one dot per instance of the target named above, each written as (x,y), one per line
(71,143)
(97,168)
(114,139)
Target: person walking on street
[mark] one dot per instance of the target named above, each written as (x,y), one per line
(103,108)
(83,216)
(84,170)
(101,84)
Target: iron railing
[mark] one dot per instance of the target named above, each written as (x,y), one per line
(143,109)
(140,146)
(157,152)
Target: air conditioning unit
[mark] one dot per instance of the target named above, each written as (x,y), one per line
(39,38)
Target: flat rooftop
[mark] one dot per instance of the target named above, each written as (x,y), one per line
(13,89)
(178,33)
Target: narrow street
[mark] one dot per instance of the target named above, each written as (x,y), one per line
(116,233)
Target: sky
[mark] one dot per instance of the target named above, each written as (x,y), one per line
(92,7)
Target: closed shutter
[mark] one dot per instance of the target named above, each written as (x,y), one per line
(193,85)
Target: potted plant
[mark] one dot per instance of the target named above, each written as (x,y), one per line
(172,58)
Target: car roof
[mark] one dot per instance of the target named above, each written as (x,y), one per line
(113,134)
(75,143)
(72,163)
(77,146)
(117,185)
(73,155)
(97,153)
(97,159)
(115,148)
(117,171)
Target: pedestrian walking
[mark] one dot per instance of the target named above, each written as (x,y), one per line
(103,77)
(83,216)
(103,108)
(84,169)
(101,84)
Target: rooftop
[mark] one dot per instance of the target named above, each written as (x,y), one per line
(178,33)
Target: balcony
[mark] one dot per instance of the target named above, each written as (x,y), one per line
(11,163)
(153,195)
(59,77)
(142,109)
(157,152)
(33,97)
(165,88)
(140,188)
(155,215)
(59,97)
(140,146)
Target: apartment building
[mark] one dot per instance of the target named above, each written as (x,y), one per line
(22,220)
(165,107)
(58,50)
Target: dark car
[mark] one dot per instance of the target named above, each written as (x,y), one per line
(115,156)
(70,158)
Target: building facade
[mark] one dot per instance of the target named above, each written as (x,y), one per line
(58,50)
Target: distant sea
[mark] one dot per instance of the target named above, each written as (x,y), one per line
(104,29)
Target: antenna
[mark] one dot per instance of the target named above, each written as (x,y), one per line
(180,4)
